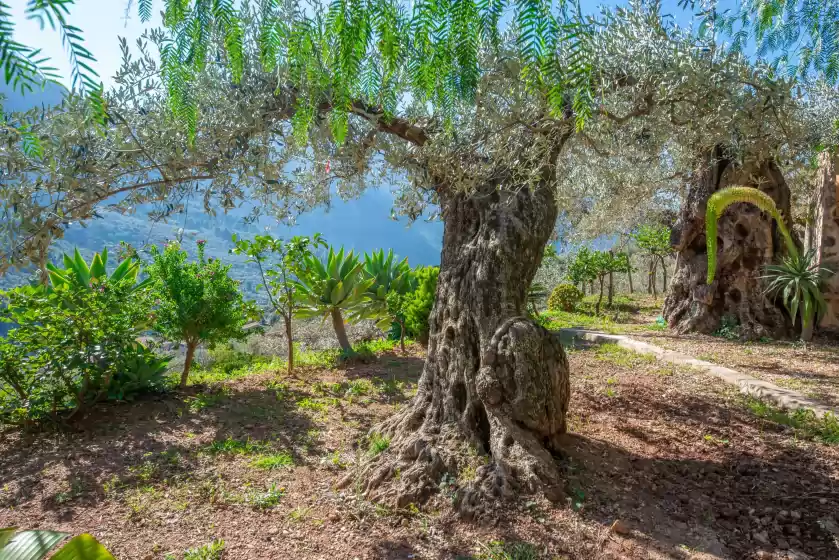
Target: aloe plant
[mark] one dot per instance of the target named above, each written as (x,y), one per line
(798,279)
(328,288)
(35,545)
(78,273)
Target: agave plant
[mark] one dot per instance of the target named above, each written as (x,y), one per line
(35,545)
(328,288)
(799,279)
(391,280)
(78,273)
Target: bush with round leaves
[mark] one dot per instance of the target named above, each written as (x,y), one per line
(564,297)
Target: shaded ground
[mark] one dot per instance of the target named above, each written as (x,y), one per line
(676,457)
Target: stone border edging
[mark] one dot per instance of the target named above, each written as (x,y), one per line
(748,385)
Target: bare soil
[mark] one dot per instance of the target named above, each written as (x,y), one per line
(672,456)
(811,369)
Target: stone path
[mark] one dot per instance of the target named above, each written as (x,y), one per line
(785,398)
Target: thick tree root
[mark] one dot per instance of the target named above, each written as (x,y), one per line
(493,444)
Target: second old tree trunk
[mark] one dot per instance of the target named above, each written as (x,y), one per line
(491,403)
(747,241)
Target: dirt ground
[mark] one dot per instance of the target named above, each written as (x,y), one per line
(675,457)
(811,369)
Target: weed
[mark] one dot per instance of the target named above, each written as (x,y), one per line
(448,486)
(360,387)
(326,389)
(267,499)
(804,421)
(232,446)
(729,328)
(273,461)
(335,459)
(467,474)
(112,485)
(715,440)
(390,387)
(211,551)
(499,550)
(610,392)
(315,405)
(206,400)
(282,390)
(378,444)
(76,490)
(621,356)
(299,513)
(145,471)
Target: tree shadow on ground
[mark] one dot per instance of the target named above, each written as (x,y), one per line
(151,440)
(737,489)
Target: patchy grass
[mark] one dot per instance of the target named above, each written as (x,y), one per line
(500,550)
(208,399)
(319,406)
(274,461)
(378,444)
(232,446)
(267,499)
(211,551)
(804,422)
(622,356)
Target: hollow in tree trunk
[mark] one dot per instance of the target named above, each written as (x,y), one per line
(191,345)
(494,380)
(748,240)
(340,330)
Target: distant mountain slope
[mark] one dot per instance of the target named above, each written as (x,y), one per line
(363,224)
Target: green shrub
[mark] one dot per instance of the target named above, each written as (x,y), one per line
(198,302)
(75,343)
(564,297)
(418,304)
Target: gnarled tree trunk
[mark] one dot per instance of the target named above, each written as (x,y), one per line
(747,239)
(494,380)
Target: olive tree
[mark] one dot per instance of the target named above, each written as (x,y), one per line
(476,125)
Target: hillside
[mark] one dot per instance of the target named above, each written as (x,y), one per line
(362,224)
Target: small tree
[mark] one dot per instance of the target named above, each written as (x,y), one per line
(392,281)
(654,241)
(198,302)
(583,268)
(280,280)
(326,288)
(605,263)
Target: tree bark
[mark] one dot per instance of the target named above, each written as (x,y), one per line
(190,354)
(611,289)
(663,274)
(629,274)
(599,298)
(653,267)
(290,339)
(401,334)
(340,330)
(650,277)
(494,380)
(748,240)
